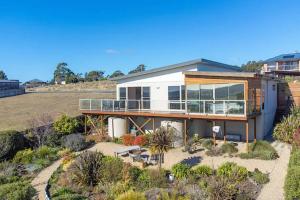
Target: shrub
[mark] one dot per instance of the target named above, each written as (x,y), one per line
(260,150)
(292,183)
(112,169)
(75,142)
(86,169)
(151,178)
(229,148)
(66,124)
(285,130)
(232,171)
(134,173)
(66,194)
(220,188)
(8,169)
(140,140)
(295,157)
(259,177)
(203,170)
(53,140)
(296,137)
(10,143)
(131,195)
(128,139)
(25,157)
(207,143)
(19,190)
(181,170)
(214,151)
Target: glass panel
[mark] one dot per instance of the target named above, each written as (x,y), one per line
(193,92)
(207,92)
(236,92)
(209,107)
(133,105)
(193,106)
(146,104)
(219,107)
(221,92)
(234,107)
(146,92)
(122,92)
(183,92)
(174,92)
(95,104)
(107,104)
(175,105)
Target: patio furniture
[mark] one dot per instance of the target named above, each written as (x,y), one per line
(126,151)
(135,155)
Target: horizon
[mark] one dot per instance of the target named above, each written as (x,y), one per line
(117,35)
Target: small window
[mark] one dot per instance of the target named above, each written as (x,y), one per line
(122,92)
(174,92)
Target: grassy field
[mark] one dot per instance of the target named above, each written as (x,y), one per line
(15,112)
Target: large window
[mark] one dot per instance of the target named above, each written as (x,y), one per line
(122,93)
(216,98)
(146,97)
(176,97)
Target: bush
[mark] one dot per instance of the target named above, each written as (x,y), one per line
(131,195)
(229,148)
(66,124)
(53,140)
(19,190)
(232,171)
(67,194)
(260,150)
(75,142)
(214,151)
(86,170)
(10,143)
(128,139)
(133,174)
(207,143)
(25,157)
(112,169)
(292,183)
(203,170)
(140,140)
(151,178)
(259,177)
(181,170)
(295,157)
(285,130)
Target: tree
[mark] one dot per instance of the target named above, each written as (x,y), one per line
(94,75)
(2,75)
(41,127)
(116,74)
(252,66)
(161,141)
(63,73)
(139,68)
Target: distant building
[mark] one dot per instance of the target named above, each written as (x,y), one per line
(10,88)
(35,83)
(283,65)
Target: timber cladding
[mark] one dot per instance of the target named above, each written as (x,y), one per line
(288,93)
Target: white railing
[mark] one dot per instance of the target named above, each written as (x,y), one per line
(207,107)
(288,67)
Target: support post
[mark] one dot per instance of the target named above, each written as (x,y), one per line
(153,125)
(254,129)
(102,125)
(127,125)
(214,135)
(85,124)
(224,131)
(185,132)
(247,136)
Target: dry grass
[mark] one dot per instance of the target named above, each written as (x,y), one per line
(16,111)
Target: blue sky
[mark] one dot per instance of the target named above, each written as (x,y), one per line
(110,35)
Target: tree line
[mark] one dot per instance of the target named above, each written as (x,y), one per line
(64,73)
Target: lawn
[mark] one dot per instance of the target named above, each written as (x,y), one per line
(16,111)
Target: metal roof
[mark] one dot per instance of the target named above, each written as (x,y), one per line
(224,74)
(284,57)
(174,66)
(9,81)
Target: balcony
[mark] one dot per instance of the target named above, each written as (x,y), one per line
(286,67)
(198,107)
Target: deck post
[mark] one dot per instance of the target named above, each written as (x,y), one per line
(185,132)
(214,135)
(153,125)
(247,135)
(85,125)
(102,125)
(254,129)
(224,131)
(126,125)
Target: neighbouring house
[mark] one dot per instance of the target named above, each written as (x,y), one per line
(283,65)
(192,97)
(35,83)
(10,88)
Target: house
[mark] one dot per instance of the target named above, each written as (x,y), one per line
(192,97)
(10,88)
(283,65)
(35,83)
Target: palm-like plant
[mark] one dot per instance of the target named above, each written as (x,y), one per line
(161,141)
(86,170)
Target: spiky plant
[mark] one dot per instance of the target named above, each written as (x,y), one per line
(86,170)
(161,141)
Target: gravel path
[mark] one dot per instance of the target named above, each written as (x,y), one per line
(40,181)
(276,168)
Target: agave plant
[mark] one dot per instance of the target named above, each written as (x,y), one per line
(86,170)
(161,141)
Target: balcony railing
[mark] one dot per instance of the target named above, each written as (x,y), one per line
(288,67)
(207,107)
